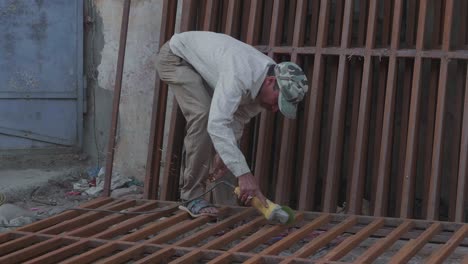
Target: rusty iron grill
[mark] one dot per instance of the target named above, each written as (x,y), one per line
(169,235)
(386,119)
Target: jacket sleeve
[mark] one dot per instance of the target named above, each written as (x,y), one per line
(223,128)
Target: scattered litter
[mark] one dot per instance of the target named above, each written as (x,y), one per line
(11,211)
(82,185)
(95,186)
(93,172)
(21,221)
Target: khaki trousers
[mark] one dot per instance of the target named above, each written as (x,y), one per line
(194,98)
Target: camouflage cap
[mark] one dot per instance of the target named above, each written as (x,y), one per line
(292,83)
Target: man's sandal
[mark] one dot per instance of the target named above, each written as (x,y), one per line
(195,206)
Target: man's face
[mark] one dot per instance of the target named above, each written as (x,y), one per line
(268,96)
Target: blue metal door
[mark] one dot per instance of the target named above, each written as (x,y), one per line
(41,73)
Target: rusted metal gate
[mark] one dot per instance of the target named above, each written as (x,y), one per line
(386,118)
(160,233)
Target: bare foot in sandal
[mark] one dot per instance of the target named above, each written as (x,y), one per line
(199,207)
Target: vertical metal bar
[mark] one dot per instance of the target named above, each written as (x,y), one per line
(232,11)
(170,182)
(407,78)
(264,146)
(287,155)
(116,101)
(153,162)
(360,150)
(436,170)
(344,248)
(457,107)
(336,137)
(430,113)
(445,250)
(209,14)
(311,148)
(386,23)
(407,197)
(463,160)
(384,243)
(412,247)
(314,22)
(383,173)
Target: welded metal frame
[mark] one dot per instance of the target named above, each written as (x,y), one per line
(166,234)
(322,153)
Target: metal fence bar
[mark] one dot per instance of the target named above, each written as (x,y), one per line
(116,99)
(463,160)
(60,254)
(406,209)
(220,241)
(410,249)
(181,228)
(266,122)
(155,227)
(93,254)
(124,256)
(346,246)
(444,251)
(384,243)
(44,223)
(325,238)
(218,227)
(336,138)
(232,11)
(431,105)
(135,222)
(290,239)
(37,249)
(287,151)
(312,127)
(155,144)
(360,149)
(253,241)
(436,169)
(87,217)
(104,223)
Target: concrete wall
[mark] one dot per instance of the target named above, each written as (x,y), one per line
(101,49)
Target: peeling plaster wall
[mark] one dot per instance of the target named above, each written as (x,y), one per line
(101,50)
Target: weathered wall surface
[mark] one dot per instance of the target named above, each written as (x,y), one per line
(101,49)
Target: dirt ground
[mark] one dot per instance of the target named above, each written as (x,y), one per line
(39,185)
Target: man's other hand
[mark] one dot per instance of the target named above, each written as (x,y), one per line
(249,188)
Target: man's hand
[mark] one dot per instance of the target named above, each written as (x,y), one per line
(219,168)
(249,188)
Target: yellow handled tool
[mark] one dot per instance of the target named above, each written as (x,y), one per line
(274,212)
